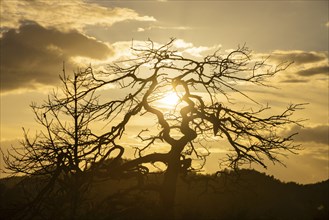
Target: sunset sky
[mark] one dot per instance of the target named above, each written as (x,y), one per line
(37,36)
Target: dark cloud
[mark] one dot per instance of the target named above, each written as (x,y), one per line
(299,57)
(314,71)
(34,55)
(306,64)
(294,81)
(318,134)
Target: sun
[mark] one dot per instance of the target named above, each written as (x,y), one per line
(170,100)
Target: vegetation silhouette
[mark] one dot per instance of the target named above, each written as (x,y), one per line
(68,159)
(242,194)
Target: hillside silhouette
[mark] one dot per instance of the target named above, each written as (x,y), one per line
(245,194)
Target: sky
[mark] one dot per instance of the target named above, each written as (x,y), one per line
(36,37)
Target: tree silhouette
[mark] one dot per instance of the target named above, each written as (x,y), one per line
(60,156)
(156,71)
(70,155)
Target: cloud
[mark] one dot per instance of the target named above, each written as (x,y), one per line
(295,81)
(307,65)
(190,49)
(65,15)
(123,48)
(317,134)
(314,71)
(327,24)
(181,44)
(140,29)
(298,56)
(34,42)
(33,55)
(163,28)
(197,51)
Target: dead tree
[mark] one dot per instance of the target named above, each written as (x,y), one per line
(155,71)
(69,154)
(64,157)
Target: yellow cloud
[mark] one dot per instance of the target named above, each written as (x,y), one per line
(163,28)
(65,15)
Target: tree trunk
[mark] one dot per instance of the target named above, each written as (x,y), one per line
(168,192)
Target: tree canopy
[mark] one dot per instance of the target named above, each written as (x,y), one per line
(200,109)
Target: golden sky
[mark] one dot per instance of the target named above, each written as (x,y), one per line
(37,36)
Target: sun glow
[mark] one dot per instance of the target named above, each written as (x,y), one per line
(170,100)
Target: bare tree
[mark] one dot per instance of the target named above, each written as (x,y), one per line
(69,154)
(62,154)
(156,71)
